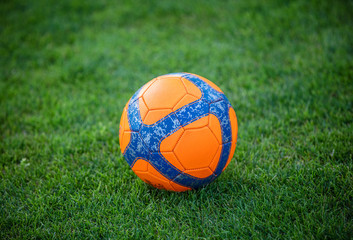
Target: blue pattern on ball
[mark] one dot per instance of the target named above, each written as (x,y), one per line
(145,139)
(152,134)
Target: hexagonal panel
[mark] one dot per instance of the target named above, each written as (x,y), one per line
(164,93)
(196,148)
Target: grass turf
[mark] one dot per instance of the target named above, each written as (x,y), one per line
(68,68)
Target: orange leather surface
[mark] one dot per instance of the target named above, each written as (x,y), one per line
(184,101)
(165,94)
(169,142)
(146,86)
(234,124)
(170,156)
(143,108)
(202,122)
(154,116)
(191,88)
(215,159)
(196,148)
(140,166)
(215,127)
(200,173)
(124,130)
(154,178)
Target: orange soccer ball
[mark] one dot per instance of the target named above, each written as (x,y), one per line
(178,132)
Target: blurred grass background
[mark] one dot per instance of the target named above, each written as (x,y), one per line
(67,68)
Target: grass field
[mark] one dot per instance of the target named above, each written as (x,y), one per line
(68,68)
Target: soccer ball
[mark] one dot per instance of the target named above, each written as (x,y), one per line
(178,132)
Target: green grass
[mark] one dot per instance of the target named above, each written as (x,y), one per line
(67,69)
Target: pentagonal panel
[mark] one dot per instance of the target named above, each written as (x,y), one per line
(196,148)
(164,93)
